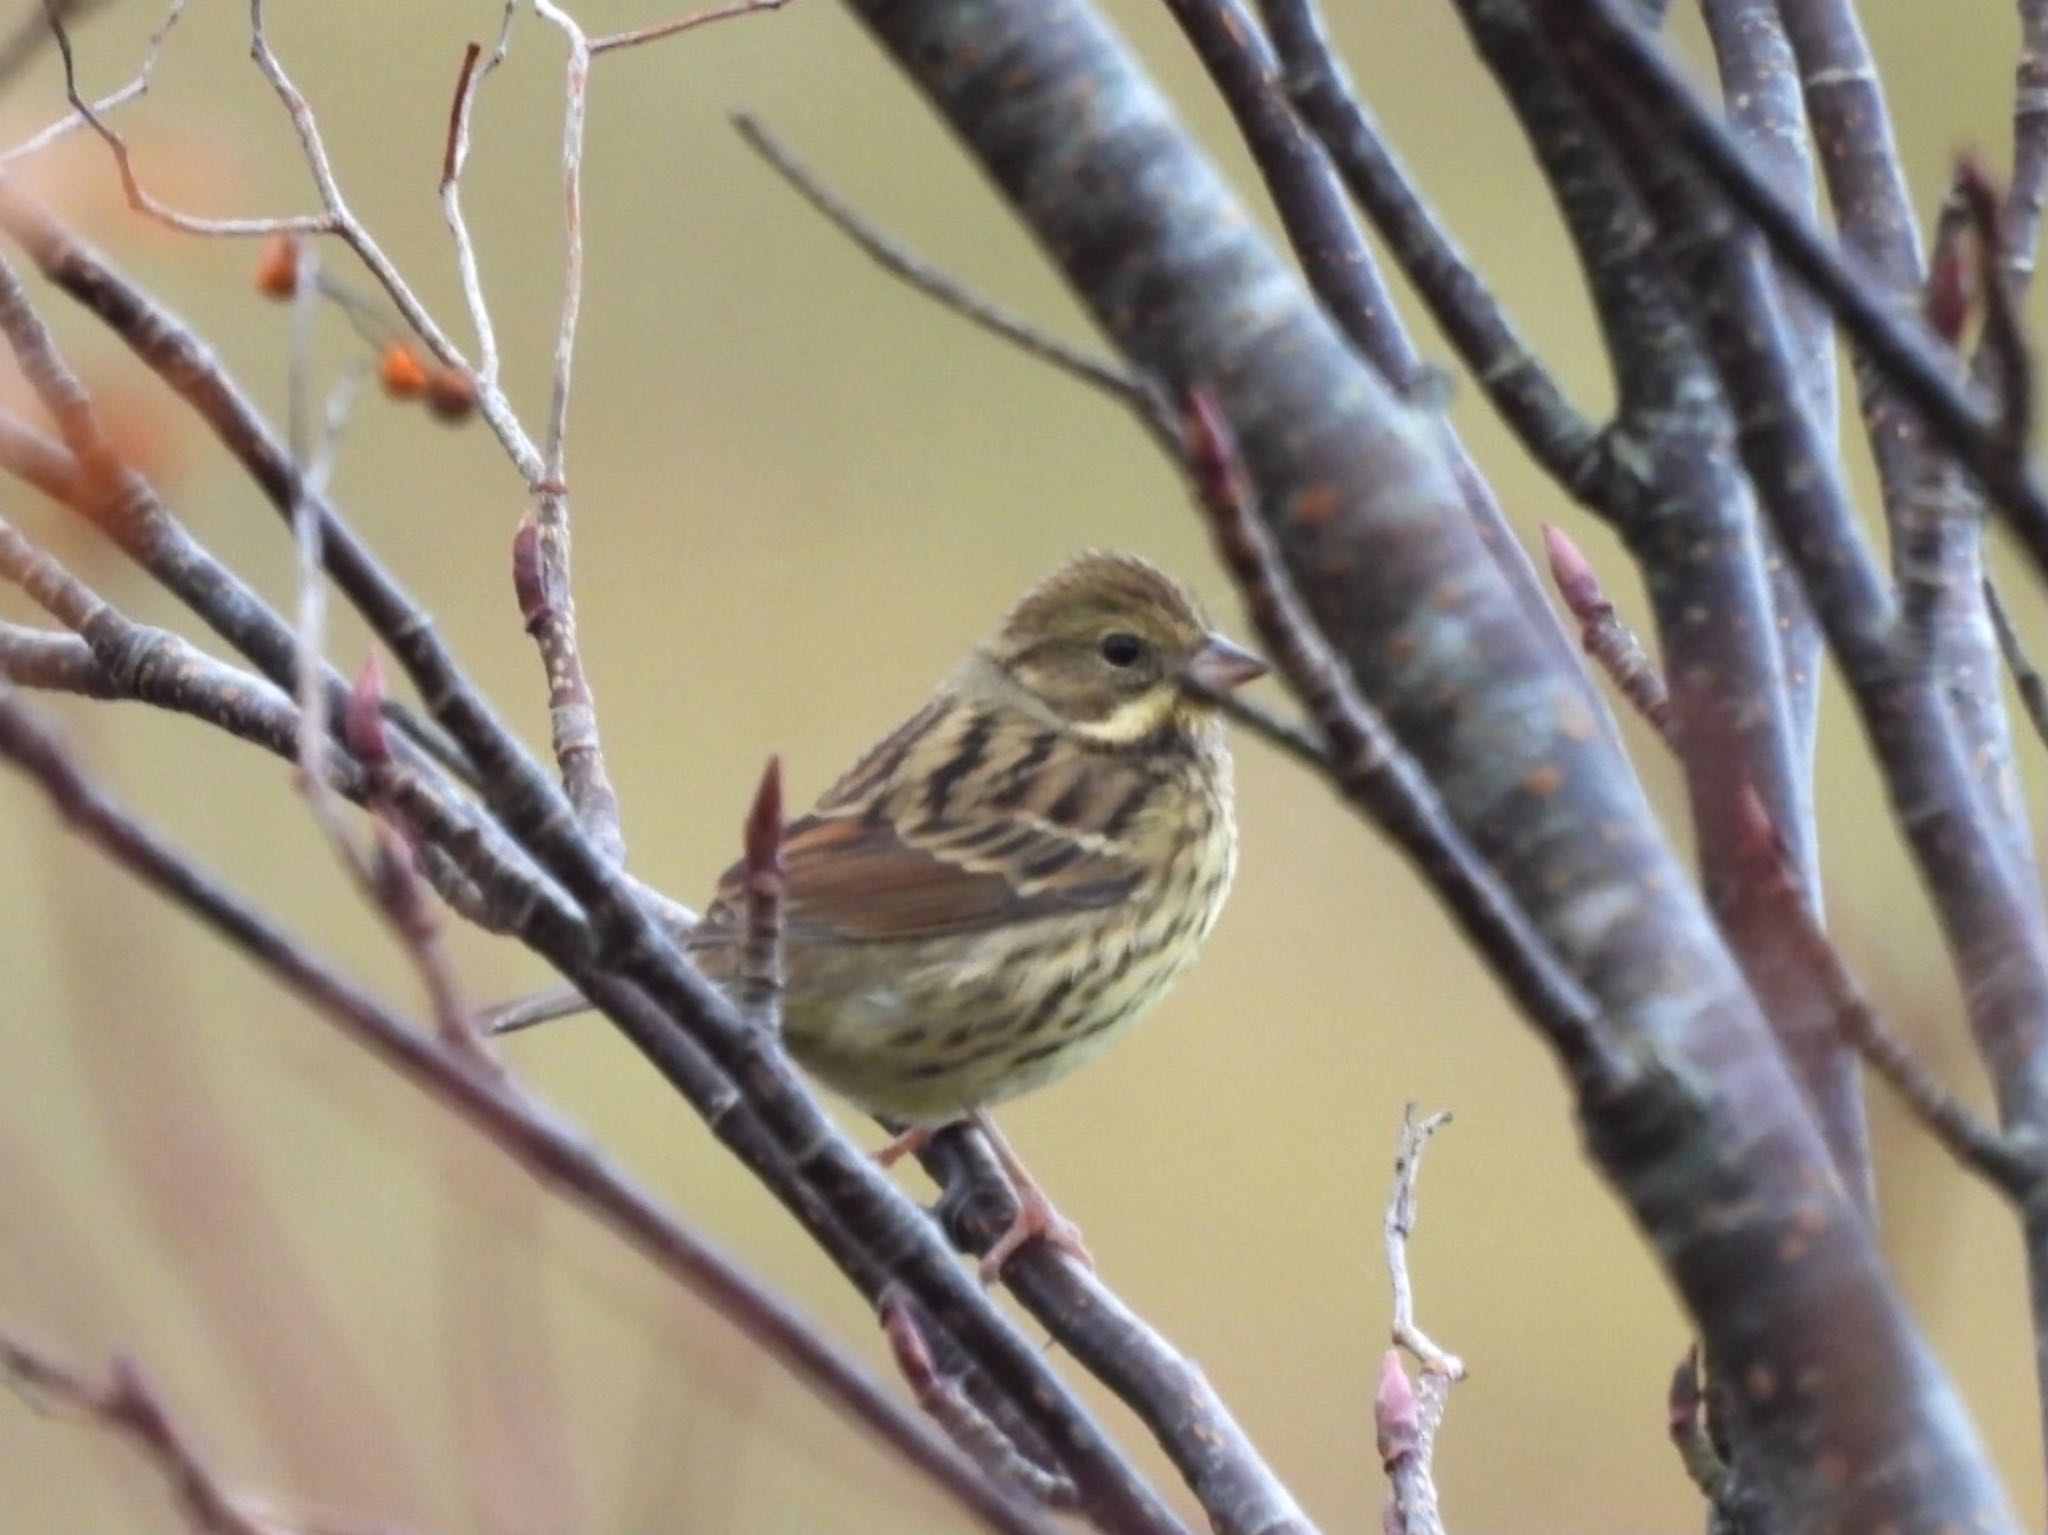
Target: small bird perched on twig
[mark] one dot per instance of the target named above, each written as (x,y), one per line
(1014,874)
(1018,871)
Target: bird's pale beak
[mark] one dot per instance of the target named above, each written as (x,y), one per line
(1222,665)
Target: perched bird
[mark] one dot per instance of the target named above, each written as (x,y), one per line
(1018,871)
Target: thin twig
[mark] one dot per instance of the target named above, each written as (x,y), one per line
(572,708)
(2033,692)
(139,197)
(901,262)
(954,1411)
(385,871)
(2010,364)
(125,1405)
(337,218)
(1400,1226)
(453,159)
(1607,639)
(310,630)
(655,32)
(1996,1157)
(2029,190)
(576,108)
(386,874)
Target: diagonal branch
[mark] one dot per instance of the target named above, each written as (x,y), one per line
(1902,350)
(496,1106)
(1369,768)
(1520,387)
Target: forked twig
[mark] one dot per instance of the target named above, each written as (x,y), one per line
(1406,1420)
(1400,1226)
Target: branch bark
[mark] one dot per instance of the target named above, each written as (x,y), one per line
(1361,505)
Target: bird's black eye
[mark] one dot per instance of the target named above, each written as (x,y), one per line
(1121,650)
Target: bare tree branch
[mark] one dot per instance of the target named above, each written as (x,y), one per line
(684,1027)
(499,1108)
(1365,513)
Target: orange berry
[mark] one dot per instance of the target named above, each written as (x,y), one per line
(451,395)
(277,267)
(401,373)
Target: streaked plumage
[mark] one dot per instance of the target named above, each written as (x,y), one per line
(1017,872)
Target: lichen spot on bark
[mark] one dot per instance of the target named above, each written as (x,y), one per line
(1315,506)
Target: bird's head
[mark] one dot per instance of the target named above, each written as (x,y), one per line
(1117,651)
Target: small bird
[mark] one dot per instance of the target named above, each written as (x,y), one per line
(1016,873)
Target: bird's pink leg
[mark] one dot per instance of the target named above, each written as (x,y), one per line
(1036,1216)
(908,1144)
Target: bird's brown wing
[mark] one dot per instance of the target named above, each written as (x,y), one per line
(856,879)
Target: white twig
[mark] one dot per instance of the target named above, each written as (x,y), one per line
(575,110)
(477,66)
(1407,1417)
(341,400)
(308,541)
(75,119)
(1400,1224)
(384,870)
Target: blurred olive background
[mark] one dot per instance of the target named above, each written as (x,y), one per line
(800,491)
